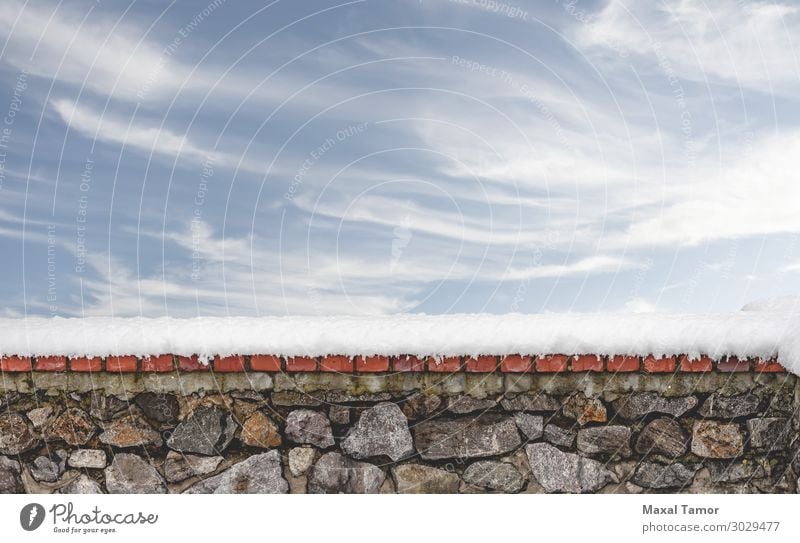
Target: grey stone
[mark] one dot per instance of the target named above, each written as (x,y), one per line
(531,426)
(712,439)
(130,474)
(634,406)
(382,430)
(292,398)
(466,438)
(494,475)
(258,474)
(419,479)
(106,407)
(45,469)
(734,471)
(300,460)
(130,431)
(179,466)
(82,484)
(611,440)
(87,458)
(10,480)
(421,406)
(16,435)
(720,406)
(159,406)
(40,416)
(769,433)
(584,410)
(652,475)
(531,401)
(208,431)
(461,405)
(74,426)
(558,471)
(563,437)
(340,396)
(312,427)
(334,473)
(663,436)
(339,414)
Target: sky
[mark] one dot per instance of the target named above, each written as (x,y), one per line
(212,157)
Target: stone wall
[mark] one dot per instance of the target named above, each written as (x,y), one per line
(561,428)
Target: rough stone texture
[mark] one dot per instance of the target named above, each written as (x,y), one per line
(10,480)
(259,431)
(563,437)
(106,407)
(87,458)
(16,434)
(584,410)
(635,406)
(558,471)
(160,407)
(769,433)
(46,470)
(339,414)
(735,471)
(493,475)
(40,416)
(466,438)
(720,406)
(208,431)
(300,460)
(421,406)
(258,474)
(382,430)
(610,440)
(652,475)
(531,426)
(663,436)
(711,439)
(82,484)
(531,401)
(334,473)
(74,426)
(130,431)
(420,479)
(461,405)
(130,474)
(312,427)
(179,466)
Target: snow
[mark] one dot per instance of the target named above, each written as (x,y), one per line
(764,334)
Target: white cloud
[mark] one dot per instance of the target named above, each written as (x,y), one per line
(639,305)
(585,266)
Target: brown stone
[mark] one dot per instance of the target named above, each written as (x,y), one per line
(662,436)
(259,431)
(74,426)
(711,439)
(16,436)
(584,409)
(130,431)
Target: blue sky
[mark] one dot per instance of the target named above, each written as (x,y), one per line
(221,158)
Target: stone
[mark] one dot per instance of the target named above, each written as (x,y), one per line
(335,473)
(74,426)
(494,475)
(87,458)
(635,406)
(10,480)
(461,405)
(130,431)
(207,430)
(489,435)
(769,433)
(735,471)
(341,396)
(339,414)
(652,475)
(312,427)
(300,460)
(259,431)
(40,416)
(421,406)
(563,437)
(663,436)
(382,430)
(46,470)
(130,474)
(16,435)
(585,410)
(419,479)
(711,439)
(291,398)
(559,471)
(720,406)
(106,407)
(160,407)
(258,474)
(82,484)
(611,440)
(179,466)
(531,401)
(531,426)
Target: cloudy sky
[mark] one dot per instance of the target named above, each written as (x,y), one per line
(214,157)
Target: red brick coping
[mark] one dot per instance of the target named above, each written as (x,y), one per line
(512,363)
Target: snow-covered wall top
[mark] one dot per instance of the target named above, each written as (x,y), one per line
(761,334)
